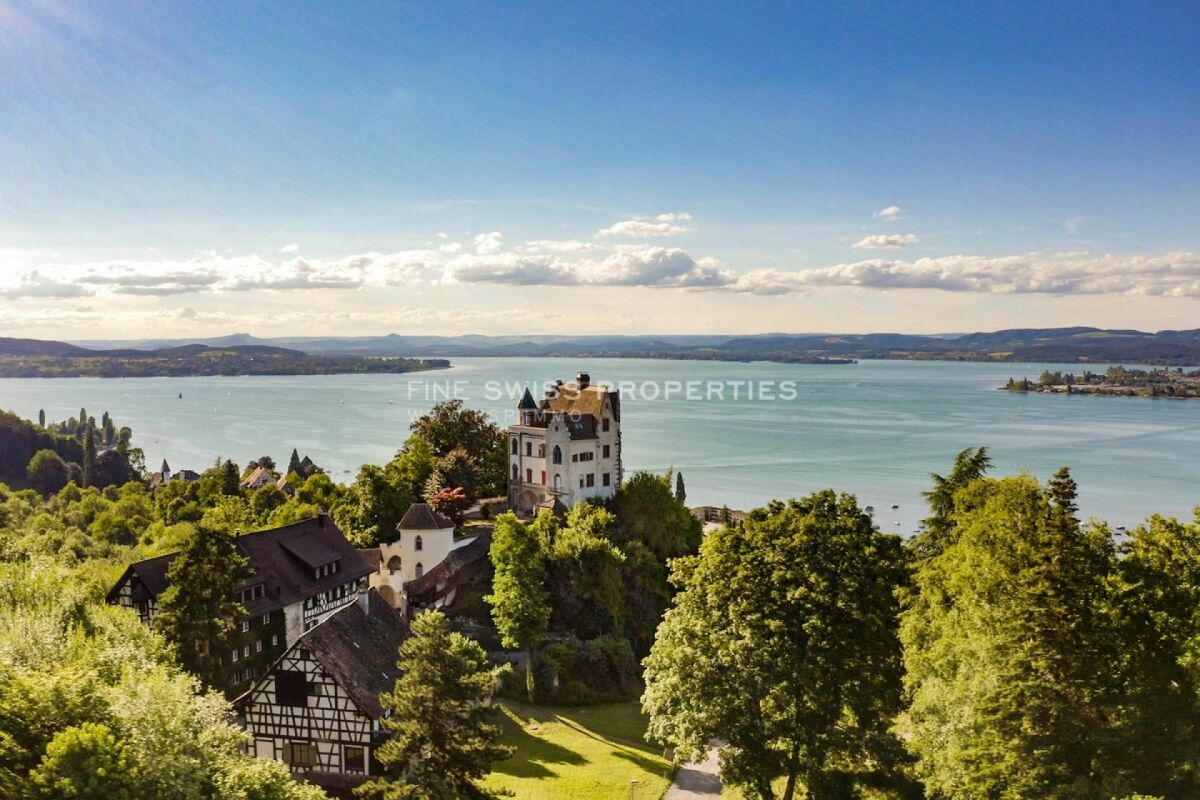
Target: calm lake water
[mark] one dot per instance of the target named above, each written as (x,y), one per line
(876,429)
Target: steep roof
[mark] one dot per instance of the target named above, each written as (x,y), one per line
(258,474)
(571,400)
(527,403)
(284,559)
(420,517)
(359,649)
(464,554)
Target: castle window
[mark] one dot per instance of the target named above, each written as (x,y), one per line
(557,454)
(516,474)
(529,448)
(543,477)
(591,479)
(606,451)
(529,476)
(417,542)
(514,445)
(420,569)
(393,564)
(607,479)
(604,424)
(542,450)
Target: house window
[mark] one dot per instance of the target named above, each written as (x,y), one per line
(274,640)
(516,474)
(298,754)
(575,456)
(514,446)
(266,620)
(529,448)
(542,450)
(557,454)
(604,424)
(258,646)
(580,481)
(352,758)
(234,657)
(245,626)
(543,477)
(529,476)
(420,569)
(291,689)
(591,479)
(246,651)
(417,542)
(606,451)
(607,479)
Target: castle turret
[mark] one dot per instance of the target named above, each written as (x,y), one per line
(423,540)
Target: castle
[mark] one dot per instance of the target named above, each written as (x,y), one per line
(565,448)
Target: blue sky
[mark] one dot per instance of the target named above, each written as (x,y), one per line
(373,167)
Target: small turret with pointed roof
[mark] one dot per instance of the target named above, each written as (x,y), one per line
(527,407)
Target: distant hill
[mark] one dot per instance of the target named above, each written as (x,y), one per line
(32,358)
(1066,345)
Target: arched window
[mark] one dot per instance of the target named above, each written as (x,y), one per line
(420,569)
(417,545)
(515,473)
(557,482)
(393,564)
(557,454)
(514,446)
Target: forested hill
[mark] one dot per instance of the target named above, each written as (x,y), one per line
(1067,345)
(33,358)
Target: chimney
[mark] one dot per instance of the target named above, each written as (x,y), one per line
(583,379)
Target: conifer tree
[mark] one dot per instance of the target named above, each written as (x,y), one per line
(198,610)
(969,465)
(89,457)
(294,463)
(444,731)
(230,479)
(42,417)
(680,491)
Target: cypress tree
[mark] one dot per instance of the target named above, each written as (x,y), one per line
(89,457)
(294,463)
(42,417)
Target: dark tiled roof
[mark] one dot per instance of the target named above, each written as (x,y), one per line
(420,517)
(359,649)
(454,561)
(370,554)
(186,475)
(527,403)
(274,556)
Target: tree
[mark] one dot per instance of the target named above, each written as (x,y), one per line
(970,465)
(782,642)
(453,503)
(294,463)
(47,472)
(1010,644)
(1158,594)
(584,566)
(89,457)
(197,611)
(230,478)
(458,469)
(444,730)
(647,511)
(519,600)
(680,491)
(449,426)
(42,417)
(266,462)
(86,762)
(375,503)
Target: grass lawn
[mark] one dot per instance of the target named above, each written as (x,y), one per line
(579,754)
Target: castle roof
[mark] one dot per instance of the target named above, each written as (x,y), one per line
(571,400)
(527,403)
(420,517)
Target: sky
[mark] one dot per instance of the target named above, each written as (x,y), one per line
(171,169)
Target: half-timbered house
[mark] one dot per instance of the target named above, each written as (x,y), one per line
(317,708)
(300,575)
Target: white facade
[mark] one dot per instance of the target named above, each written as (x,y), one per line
(567,448)
(414,552)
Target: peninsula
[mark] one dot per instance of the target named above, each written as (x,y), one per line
(34,358)
(1115,381)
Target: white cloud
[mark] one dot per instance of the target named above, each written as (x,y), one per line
(886,241)
(35,284)
(290,248)
(662,225)
(512,268)
(487,243)
(655,266)
(560,245)
(891,212)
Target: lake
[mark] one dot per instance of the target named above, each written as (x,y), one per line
(877,428)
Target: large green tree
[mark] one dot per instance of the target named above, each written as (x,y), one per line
(198,610)
(519,600)
(444,731)
(1010,647)
(970,465)
(449,426)
(782,643)
(87,762)
(46,472)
